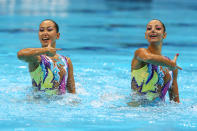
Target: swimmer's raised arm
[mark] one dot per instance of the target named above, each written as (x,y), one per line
(70,81)
(144,55)
(33,54)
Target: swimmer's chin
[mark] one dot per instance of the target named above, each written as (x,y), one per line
(44,45)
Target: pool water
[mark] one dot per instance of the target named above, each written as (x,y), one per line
(100,37)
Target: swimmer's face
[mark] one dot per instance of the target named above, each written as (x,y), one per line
(155,32)
(47,33)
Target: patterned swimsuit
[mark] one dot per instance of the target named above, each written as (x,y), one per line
(147,80)
(46,77)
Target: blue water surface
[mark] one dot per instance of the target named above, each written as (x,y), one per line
(100,37)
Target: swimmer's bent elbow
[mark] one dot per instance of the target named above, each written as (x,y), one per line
(27,57)
(20,55)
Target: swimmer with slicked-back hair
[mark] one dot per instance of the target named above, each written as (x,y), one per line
(153,74)
(50,72)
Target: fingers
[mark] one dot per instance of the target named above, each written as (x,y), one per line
(49,43)
(53,49)
(178,67)
(58,49)
(175,58)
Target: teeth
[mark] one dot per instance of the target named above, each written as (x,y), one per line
(45,38)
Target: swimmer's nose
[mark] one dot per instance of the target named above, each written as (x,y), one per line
(153,30)
(45,34)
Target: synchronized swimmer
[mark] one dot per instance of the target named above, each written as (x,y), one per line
(50,72)
(152,74)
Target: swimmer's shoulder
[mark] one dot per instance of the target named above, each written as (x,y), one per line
(136,63)
(68,59)
(140,50)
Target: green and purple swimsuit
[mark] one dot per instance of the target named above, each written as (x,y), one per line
(46,75)
(147,80)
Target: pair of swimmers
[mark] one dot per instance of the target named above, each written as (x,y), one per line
(152,74)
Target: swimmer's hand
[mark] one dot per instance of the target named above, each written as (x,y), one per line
(176,66)
(50,51)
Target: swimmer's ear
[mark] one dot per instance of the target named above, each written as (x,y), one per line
(164,35)
(58,36)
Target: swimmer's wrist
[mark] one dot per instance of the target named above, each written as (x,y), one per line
(172,64)
(49,51)
(45,50)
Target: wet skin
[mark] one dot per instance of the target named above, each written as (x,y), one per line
(155,35)
(48,35)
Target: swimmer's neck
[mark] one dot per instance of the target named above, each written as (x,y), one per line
(155,48)
(56,56)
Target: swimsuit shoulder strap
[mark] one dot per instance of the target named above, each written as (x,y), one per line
(64,59)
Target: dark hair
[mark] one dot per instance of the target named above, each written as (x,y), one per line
(56,25)
(162,24)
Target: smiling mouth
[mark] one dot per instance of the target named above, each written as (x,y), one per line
(45,39)
(153,36)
